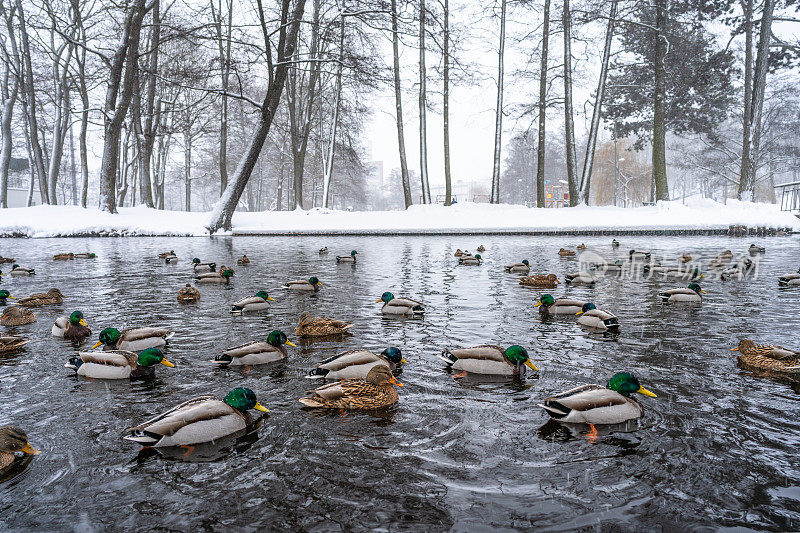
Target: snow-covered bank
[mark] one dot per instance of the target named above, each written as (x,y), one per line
(62,221)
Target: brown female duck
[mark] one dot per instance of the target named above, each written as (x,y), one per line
(768,358)
(17,316)
(374,392)
(320,326)
(51,297)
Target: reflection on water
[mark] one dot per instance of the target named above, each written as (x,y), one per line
(717,448)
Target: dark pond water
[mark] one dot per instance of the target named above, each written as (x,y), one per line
(717,448)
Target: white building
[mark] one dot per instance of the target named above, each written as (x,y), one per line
(18,197)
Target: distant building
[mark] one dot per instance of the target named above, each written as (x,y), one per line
(18,197)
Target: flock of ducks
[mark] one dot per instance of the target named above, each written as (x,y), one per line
(361,379)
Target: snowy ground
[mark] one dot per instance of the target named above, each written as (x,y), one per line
(61,221)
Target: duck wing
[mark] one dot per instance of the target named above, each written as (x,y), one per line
(776,352)
(136,334)
(249,300)
(484,352)
(350,358)
(582,398)
(119,358)
(250,348)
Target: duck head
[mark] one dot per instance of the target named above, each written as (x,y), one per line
(76,319)
(586,307)
(518,356)
(626,384)
(14,439)
(153,356)
(278,338)
(264,295)
(109,337)
(243,399)
(545,300)
(393,355)
(386,297)
(381,375)
(696,288)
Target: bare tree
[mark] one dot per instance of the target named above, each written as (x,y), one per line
(594,127)
(569,124)
(498,123)
(277,67)
(448,186)
(8,92)
(540,150)
(398,104)
(423,107)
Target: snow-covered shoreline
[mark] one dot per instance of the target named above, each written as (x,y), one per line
(699,215)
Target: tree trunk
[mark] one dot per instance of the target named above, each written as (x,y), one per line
(748,184)
(72,166)
(30,97)
(152,115)
(659,104)
(10,90)
(187,167)
(569,125)
(398,104)
(744,168)
(326,185)
(594,127)
(423,129)
(222,213)
(498,123)
(542,107)
(224,48)
(448,186)
(61,117)
(300,114)
(118,99)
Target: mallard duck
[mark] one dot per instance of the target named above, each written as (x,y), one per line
(17,270)
(188,294)
(470,259)
(257,352)
(320,326)
(51,297)
(356,364)
(481,248)
(164,255)
(203,419)
(373,392)
(593,404)
(4,294)
(400,306)
(133,339)
(721,260)
(171,259)
(768,357)
(323,250)
(638,255)
(117,364)
(789,280)
(17,316)
(549,281)
(312,284)
(685,258)
(680,273)
(606,267)
(757,249)
(63,257)
(562,306)
(581,246)
(692,293)
(12,343)
(71,327)
(566,253)
(6,259)
(581,278)
(12,441)
(244,260)
(489,359)
(87,255)
(258,302)
(742,268)
(458,253)
(200,267)
(597,319)
(523,267)
(347,258)
(223,276)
